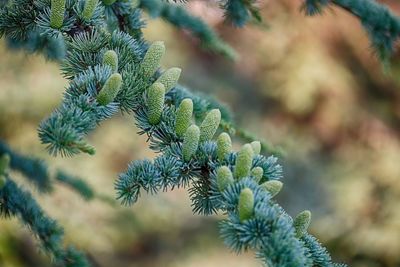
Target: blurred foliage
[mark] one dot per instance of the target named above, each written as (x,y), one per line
(310,85)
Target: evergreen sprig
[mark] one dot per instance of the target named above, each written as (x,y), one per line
(382,26)
(16,202)
(254,220)
(101,83)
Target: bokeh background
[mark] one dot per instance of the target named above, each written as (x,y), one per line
(311,86)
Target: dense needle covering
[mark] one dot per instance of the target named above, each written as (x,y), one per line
(110,68)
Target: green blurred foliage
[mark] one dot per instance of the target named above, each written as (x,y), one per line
(310,85)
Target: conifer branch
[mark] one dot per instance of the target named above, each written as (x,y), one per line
(32,168)
(382,26)
(241,184)
(16,202)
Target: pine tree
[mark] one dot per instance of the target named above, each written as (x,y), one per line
(111,68)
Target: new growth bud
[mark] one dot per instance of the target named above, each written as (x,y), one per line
(302,222)
(110,89)
(155,102)
(244,161)
(57,13)
(256,145)
(88,10)
(224,146)
(246,204)
(210,125)
(273,187)
(224,178)
(110,58)
(257,173)
(169,78)
(190,142)
(152,58)
(183,116)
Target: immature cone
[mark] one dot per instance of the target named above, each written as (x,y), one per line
(256,145)
(190,142)
(273,187)
(224,146)
(155,102)
(4,163)
(57,13)
(183,116)
(169,78)
(302,222)
(210,125)
(85,148)
(246,204)
(244,161)
(257,173)
(224,178)
(110,58)
(88,10)
(110,89)
(152,58)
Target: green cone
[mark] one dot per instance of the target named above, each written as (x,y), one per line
(57,13)
(190,142)
(273,187)
(246,204)
(111,58)
(244,161)
(155,102)
(302,222)
(169,78)
(224,146)
(110,89)
(210,125)
(224,177)
(183,116)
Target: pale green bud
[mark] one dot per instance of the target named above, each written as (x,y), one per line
(183,116)
(273,187)
(57,13)
(155,102)
(244,161)
(210,125)
(246,204)
(256,145)
(110,58)
(302,222)
(224,146)
(257,173)
(190,142)
(152,58)
(170,78)
(224,178)
(110,89)
(85,148)
(88,10)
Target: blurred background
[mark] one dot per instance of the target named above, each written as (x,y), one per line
(309,85)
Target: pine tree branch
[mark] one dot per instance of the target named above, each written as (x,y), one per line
(382,26)
(33,169)
(16,202)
